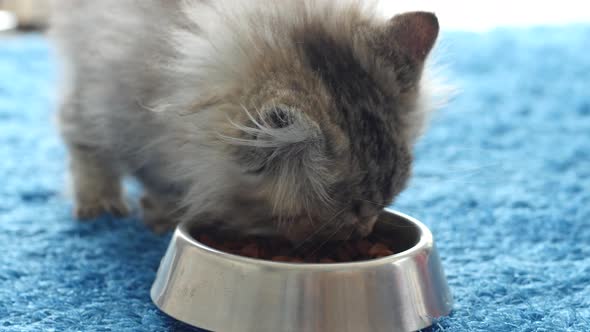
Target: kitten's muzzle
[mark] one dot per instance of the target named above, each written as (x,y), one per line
(340,229)
(365,227)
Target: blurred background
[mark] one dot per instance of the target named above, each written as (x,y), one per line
(455,14)
(24,14)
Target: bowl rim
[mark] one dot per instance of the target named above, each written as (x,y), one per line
(425,242)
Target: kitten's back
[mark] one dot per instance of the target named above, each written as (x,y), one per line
(111,37)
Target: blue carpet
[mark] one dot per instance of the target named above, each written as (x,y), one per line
(502,178)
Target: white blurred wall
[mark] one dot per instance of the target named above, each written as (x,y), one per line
(486,14)
(27,12)
(453,14)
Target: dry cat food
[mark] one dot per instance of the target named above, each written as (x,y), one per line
(279,250)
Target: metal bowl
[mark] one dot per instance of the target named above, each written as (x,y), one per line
(222,292)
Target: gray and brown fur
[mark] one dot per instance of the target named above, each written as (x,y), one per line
(294,116)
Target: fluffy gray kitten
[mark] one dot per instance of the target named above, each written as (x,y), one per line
(292,117)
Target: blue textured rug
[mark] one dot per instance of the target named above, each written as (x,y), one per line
(502,178)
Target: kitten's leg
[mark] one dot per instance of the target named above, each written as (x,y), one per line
(97,184)
(159,213)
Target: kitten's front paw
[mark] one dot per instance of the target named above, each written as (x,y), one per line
(91,210)
(159,227)
(156,216)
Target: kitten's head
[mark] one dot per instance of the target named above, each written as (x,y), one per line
(321,119)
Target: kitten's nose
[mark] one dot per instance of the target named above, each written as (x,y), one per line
(365,227)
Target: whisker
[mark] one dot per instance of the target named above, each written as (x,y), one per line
(283,223)
(374,203)
(318,230)
(309,218)
(289,225)
(328,239)
(384,206)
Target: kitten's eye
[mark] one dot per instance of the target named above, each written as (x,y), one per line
(278,118)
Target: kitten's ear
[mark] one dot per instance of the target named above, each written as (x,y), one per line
(278,117)
(286,149)
(414,33)
(280,137)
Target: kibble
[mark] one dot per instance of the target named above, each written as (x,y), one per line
(280,250)
(251,250)
(363,247)
(380,250)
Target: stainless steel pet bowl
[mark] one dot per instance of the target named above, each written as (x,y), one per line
(225,293)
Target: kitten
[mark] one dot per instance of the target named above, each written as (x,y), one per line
(292,117)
